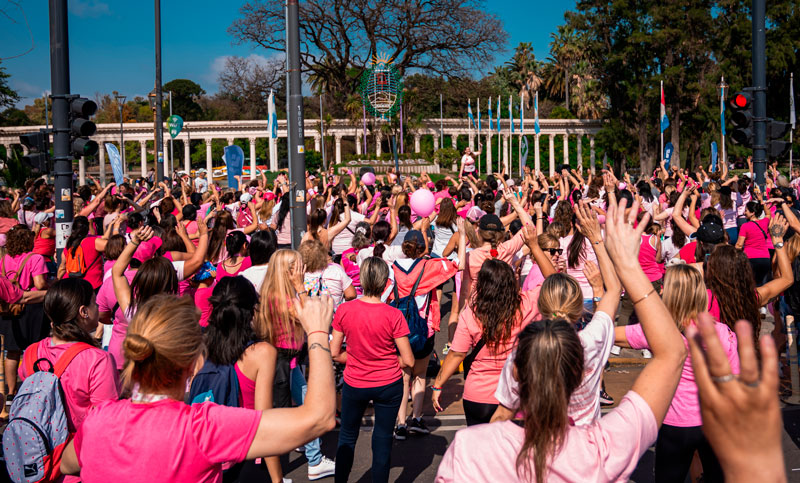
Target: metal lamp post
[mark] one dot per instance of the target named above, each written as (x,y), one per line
(121,102)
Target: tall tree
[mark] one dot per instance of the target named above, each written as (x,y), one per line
(524,71)
(184,98)
(444,37)
(8,96)
(247,82)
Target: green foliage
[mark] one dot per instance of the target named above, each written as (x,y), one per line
(8,96)
(560,112)
(446,157)
(15,172)
(184,96)
(313,160)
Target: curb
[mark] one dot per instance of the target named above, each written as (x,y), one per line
(623,361)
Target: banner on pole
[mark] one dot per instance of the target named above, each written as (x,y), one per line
(234,159)
(714,156)
(667,154)
(175,125)
(116,163)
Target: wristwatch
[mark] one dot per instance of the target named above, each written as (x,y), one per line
(596,299)
(779,245)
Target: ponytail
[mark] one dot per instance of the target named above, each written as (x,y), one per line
(379,249)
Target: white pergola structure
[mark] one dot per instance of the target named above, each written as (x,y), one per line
(339,129)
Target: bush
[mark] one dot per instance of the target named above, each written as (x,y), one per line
(445,157)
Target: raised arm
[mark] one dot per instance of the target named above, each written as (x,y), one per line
(677,214)
(590,228)
(784,278)
(122,289)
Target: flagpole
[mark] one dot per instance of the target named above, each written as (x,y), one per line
(724,150)
(792,119)
(478,165)
(659,124)
(469,122)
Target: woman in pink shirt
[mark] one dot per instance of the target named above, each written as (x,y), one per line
(754,240)
(237,260)
(92,248)
(543,445)
(375,333)
(182,443)
(681,434)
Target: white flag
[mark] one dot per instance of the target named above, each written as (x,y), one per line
(792,119)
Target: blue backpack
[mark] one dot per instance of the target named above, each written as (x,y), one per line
(417,325)
(217,384)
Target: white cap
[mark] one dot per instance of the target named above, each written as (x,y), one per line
(201,171)
(42,217)
(246,198)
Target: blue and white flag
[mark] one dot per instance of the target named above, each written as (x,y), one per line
(273,116)
(479,115)
(536,127)
(722,109)
(714,156)
(469,113)
(234,159)
(792,118)
(116,163)
(664,118)
(511,113)
(498,113)
(490,114)
(521,116)
(668,148)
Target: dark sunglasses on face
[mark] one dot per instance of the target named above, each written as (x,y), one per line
(554,251)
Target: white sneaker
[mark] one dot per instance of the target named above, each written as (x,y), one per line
(287,480)
(326,467)
(647,354)
(616,350)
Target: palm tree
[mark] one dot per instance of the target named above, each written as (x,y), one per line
(523,71)
(566,49)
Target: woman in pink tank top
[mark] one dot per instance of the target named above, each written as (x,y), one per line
(232,341)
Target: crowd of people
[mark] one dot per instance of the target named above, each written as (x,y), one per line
(200,342)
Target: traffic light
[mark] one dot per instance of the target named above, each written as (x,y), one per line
(38,145)
(742,106)
(80,109)
(776,130)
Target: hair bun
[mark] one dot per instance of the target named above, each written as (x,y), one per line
(138,348)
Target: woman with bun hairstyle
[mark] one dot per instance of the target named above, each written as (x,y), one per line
(231,340)
(91,377)
(237,260)
(182,443)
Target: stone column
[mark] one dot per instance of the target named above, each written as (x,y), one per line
(454,141)
(505,153)
(338,139)
(435,142)
(143,149)
(101,162)
(537,161)
(209,162)
(552,138)
(580,153)
(358,142)
(489,153)
(167,160)
(317,143)
(230,141)
(416,142)
(187,156)
(252,158)
(592,159)
(472,141)
(566,148)
(378,141)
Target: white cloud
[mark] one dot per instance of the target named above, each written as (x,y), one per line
(27,91)
(89,8)
(217,65)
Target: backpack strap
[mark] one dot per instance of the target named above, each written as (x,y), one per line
(15,281)
(419,279)
(759,229)
(98,257)
(67,357)
(30,357)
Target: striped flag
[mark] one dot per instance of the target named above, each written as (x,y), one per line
(792,118)
(498,113)
(521,116)
(511,113)
(536,127)
(490,114)
(273,116)
(479,115)
(722,109)
(664,118)
(469,113)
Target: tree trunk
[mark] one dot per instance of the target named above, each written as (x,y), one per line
(566,87)
(675,127)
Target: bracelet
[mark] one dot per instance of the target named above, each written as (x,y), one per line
(434,388)
(645,296)
(317,332)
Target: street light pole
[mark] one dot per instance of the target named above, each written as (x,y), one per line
(171,159)
(121,103)
(294,124)
(159,147)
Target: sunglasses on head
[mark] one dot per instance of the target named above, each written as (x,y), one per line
(554,251)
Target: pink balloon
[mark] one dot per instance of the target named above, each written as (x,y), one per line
(368,179)
(422,202)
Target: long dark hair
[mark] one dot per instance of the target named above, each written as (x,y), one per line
(404,217)
(315,221)
(80,230)
(729,276)
(62,306)
(263,244)
(223,222)
(230,326)
(156,275)
(496,302)
(337,211)
(283,210)
(235,242)
(380,232)
(549,365)
(447,214)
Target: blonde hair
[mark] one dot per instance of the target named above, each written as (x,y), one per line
(276,319)
(314,255)
(163,342)
(401,197)
(684,294)
(561,298)
(266,209)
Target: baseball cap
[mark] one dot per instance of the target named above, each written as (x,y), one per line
(246,198)
(474,214)
(201,171)
(269,196)
(710,233)
(490,222)
(42,217)
(415,236)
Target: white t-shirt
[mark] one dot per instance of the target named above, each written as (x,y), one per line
(391,254)
(256,275)
(344,239)
(332,281)
(178,266)
(668,249)
(468,162)
(441,237)
(201,185)
(584,405)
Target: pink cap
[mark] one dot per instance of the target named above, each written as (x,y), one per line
(431,185)
(269,196)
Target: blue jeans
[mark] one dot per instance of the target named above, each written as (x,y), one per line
(386,401)
(299,387)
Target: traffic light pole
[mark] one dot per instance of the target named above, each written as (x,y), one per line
(760,92)
(159,147)
(294,124)
(62,156)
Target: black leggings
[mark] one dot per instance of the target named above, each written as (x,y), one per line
(762,270)
(478,413)
(675,449)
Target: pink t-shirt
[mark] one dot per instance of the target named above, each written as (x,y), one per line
(370,330)
(487,366)
(106,301)
(90,378)
(577,272)
(647,259)
(505,252)
(180,443)
(222,272)
(607,450)
(685,408)
(94,262)
(33,267)
(201,296)
(756,238)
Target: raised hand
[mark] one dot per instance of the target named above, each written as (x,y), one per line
(587,222)
(622,239)
(142,235)
(315,314)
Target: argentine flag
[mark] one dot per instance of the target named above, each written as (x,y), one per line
(498,113)
(490,114)
(664,118)
(273,116)
(536,127)
(469,113)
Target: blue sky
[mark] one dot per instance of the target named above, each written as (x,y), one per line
(111,41)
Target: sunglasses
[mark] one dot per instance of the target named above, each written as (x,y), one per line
(554,251)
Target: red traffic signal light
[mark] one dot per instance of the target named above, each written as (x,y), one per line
(741,100)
